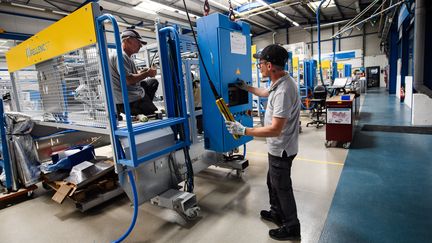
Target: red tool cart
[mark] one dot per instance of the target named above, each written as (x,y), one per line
(340,120)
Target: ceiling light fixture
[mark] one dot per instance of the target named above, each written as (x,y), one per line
(328,4)
(27,6)
(60,12)
(219,4)
(152,7)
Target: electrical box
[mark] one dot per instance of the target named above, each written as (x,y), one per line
(226,52)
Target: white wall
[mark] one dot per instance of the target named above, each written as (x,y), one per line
(351,42)
(263,40)
(3,64)
(373,55)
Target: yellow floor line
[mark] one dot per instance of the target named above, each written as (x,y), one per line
(303,159)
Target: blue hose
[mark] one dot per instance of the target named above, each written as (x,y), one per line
(135,205)
(319,39)
(334,60)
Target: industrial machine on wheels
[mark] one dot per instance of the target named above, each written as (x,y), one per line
(154,159)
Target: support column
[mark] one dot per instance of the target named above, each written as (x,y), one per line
(364,46)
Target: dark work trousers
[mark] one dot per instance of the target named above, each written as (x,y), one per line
(282,202)
(145,105)
(199,121)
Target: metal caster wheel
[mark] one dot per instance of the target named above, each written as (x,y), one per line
(346,145)
(327,144)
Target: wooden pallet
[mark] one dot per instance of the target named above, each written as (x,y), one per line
(20,195)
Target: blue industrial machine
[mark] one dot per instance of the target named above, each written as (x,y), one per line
(310,70)
(226,52)
(309,77)
(305,87)
(347,70)
(154,157)
(335,73)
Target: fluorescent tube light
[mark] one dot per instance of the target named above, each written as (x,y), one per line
(27,6)
(328,3)
(219,5)
(152,7)
(282,15)
(60,12)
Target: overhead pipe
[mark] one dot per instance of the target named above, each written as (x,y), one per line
(278,13)
(388,23)
(367,19)
(325,25)
(356,18)
(419,50)
(258,24)
(319,39)
(380,25)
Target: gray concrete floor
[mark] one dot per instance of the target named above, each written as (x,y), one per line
(229,206)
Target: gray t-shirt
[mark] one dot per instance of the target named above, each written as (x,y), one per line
(284,102)
(135,92)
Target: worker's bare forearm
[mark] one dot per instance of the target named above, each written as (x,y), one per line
(261,92)
(272,130)
(262,131)
(134,78)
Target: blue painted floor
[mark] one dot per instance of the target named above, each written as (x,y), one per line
(385,190)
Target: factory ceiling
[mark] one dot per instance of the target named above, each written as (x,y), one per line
(263,16)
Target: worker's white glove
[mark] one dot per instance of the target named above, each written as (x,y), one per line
(235,128)
(242,85)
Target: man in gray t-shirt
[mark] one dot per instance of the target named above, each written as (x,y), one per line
(281,129)
(140,92)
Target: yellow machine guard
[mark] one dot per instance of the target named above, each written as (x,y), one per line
(74,31)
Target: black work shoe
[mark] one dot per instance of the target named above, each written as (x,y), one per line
(267,215)
(282,233)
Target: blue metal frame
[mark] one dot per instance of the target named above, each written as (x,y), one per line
(5,163)
(335,73)
(309,79)
(334,64)
(347,70)
(130,132)
(309,69)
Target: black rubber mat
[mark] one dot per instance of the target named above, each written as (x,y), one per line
(398,129)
